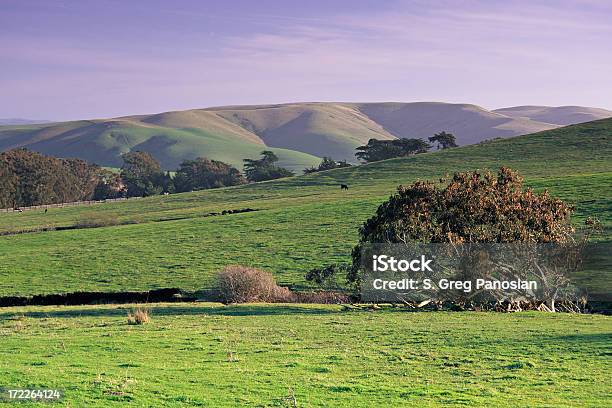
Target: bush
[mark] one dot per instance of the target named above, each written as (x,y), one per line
(474,207)
(138,316)
(241,284)
(327,276)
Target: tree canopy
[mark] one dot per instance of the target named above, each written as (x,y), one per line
(202,173)
(444,140)
(473,207)
(327,164)
(377,150)
(264,168)
(29,178)
(142,174)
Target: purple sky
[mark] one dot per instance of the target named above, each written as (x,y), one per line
(93,58)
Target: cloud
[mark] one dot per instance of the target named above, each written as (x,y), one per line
(490,53)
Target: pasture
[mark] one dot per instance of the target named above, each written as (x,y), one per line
(300,222)
(277,355)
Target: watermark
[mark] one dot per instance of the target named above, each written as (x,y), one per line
(16,394)
(486,272)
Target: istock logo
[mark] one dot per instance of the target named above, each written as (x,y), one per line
(383,263)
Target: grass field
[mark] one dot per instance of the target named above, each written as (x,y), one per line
(207,354)
(258,355)
(301,222)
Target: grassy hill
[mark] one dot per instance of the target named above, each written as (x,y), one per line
(300,133)
(559,115)
(103,142)
(300,222)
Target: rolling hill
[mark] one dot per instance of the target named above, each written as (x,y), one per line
(559,115)
(299,223)
(20,121)
(103,141)
(300,133)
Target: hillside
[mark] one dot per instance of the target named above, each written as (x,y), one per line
(300,133)
(469,123)
(103,141)
(300,222)
(20,121)
(559,115)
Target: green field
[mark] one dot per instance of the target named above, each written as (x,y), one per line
(258,355)
(301,222)
(272,355)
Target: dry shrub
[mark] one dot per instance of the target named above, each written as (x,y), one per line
(93,220)
(241,284)
(138,316)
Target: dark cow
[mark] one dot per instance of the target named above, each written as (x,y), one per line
(343,187)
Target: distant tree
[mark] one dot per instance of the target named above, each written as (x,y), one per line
(110,185)
(327,164)
(377,150)
(82,179)
(264,168)
(29,178)
(203,173)
(166,182)
(142,174)
(9,182)
(444,140)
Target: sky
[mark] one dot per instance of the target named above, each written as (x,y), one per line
(62,60)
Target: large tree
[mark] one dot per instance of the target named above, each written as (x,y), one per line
(377,150)
(30,178)
(203,173)
(142,174)
(444,140)
(474,207)
(264,168)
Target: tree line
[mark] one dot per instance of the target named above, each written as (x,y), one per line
(29,178)
(376,150)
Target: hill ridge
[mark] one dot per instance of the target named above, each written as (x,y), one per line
(299,132)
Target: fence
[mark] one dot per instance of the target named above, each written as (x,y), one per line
(61,205)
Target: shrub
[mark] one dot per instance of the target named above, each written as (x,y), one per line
(241,284)
(138,316)
(327,276)
(473,207)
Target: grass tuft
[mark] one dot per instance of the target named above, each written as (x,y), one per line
(138,316)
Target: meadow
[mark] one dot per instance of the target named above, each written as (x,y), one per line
(206,354)
(288,355)
(300,222)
